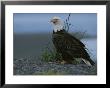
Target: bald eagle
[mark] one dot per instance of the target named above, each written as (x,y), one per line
(67,45)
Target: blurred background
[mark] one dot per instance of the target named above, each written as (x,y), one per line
(27,23)
(33,31)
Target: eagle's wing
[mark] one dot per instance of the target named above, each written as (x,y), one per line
(68,44)
(74,39)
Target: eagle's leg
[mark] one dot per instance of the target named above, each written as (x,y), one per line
(63,62)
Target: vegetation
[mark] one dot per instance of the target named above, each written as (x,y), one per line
(50,55)
(67,23)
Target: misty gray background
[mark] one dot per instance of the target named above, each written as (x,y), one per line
(40,23)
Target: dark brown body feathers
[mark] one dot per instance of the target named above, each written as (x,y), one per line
(70,47)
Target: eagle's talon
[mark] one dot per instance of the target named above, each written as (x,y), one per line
(63,62)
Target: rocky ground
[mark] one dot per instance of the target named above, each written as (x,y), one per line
(33,66)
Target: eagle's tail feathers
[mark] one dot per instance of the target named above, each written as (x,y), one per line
(88,62)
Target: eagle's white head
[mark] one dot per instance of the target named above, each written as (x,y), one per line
(57,23)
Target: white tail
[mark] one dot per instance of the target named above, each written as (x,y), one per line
(87,62)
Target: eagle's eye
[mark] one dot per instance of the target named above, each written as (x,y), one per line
(54,22)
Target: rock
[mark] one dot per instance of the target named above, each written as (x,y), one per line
(34,66)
